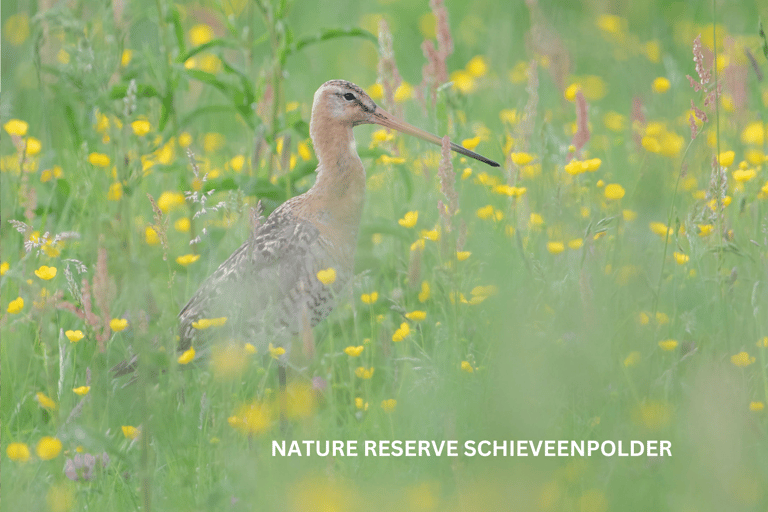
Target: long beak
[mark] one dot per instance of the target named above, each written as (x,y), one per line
(383,118)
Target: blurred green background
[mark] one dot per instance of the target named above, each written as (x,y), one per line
(562,312)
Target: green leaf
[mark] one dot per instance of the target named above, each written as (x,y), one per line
(225,43)
(118,92)
(327,35)
(763,37)
(238,98)
(178,30)
(69,113)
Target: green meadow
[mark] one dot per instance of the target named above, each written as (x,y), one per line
(607,283)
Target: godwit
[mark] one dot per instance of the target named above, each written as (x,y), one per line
(269,289)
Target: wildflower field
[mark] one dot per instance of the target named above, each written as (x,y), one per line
(609,282)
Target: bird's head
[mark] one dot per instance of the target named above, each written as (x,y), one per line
(344,103)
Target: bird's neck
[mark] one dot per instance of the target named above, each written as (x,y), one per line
(340,184)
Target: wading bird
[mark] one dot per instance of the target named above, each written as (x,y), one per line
(268,289)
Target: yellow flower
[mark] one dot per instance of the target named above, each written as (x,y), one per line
(205,323)
(353,351)
(535,220)
(486,212)
(118,324)
(82,390)
(653,51)
(187,259)
(763,342)
(16,28)
(115,191)
(615,121)
(463,81)
(369,298)
(668,345)
(681,258)
(653,414)
(662,318)
(126,57)
(756,406)
(4,266)
(170,201)
(416,316)
(661,85)
(304,151)
(633,359)
(508,190)
(629,215)
(614,191)
(46,273)
(705,229)
(182,225)
(363,373)
(48,448)
(610,23)
(99,159)
(571,90)
(200,34)
(387,159)
(754,134)
(236,163)
(424,293)
(45,402)
(576,244)
(467,367)
(555,247)
(33,146)
(16,127)
(433,235)
(151,237)
(409,219)
(360,404)
(521,158)
(18,452)
(327,276)
(463,255)
(275,352)
(742,175)
(141,127)
(726,158)
(651,144)
(471,143)
(477,66)
(389,405)
(742,359)
(187,356)
(250,349)
(74,336)
(660,229)
(130,432)
(16,305)
(403,92)
(185,139)
(253,418)
(401,333)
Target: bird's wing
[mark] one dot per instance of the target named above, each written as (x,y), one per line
(258,273)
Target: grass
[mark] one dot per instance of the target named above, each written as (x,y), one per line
(623,302)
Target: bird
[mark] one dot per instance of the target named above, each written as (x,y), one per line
(268,290)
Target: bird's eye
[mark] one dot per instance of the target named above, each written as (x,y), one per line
(349,96)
